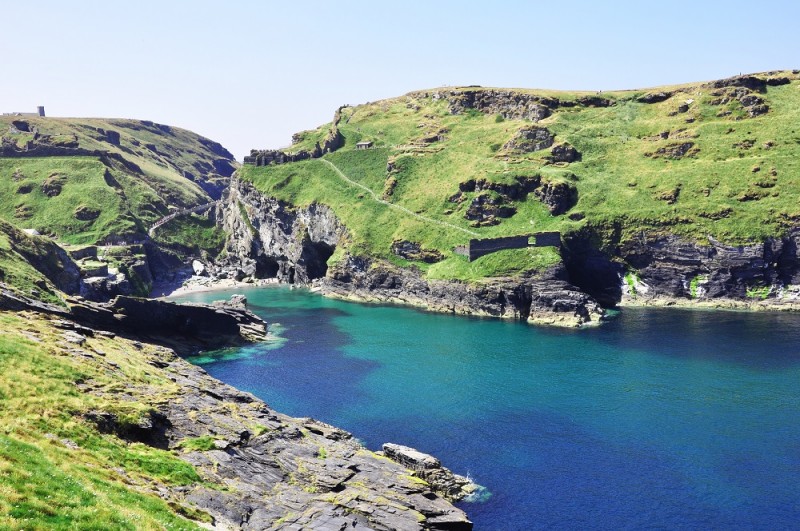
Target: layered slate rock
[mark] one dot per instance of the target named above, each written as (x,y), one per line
(428,468)
(265,470)
(545,299)
(184,326)
(259,469)
(670,269)
(275,240)
(272,239)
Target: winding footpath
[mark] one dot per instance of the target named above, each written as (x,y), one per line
(170,217)
(375,197)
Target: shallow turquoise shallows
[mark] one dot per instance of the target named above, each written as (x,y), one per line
(658,419)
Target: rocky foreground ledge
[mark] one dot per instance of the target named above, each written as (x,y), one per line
(260,469)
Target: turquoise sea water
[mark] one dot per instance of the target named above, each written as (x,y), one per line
(670,419)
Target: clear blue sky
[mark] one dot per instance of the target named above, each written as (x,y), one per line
(250,73)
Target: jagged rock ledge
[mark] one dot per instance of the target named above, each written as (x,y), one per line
(547,299)
(280,472)
(185,327)
(441,479)
(260,469)
(666,270)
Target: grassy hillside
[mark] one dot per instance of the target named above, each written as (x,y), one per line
(56,470)
(17,272)
(718,159)
(93,180)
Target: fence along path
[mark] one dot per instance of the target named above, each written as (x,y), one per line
(375,197)
(170,217)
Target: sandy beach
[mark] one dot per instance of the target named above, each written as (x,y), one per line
(197,284)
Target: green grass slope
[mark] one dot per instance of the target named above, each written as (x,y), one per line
(93,180)
(56,470)
(17,272)
(718,159)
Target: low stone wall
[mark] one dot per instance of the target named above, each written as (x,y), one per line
(481,247)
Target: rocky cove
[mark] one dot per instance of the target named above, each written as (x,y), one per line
(271,239)
(264,468)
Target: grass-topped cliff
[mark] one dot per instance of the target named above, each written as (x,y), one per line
(87,181)
(715,159)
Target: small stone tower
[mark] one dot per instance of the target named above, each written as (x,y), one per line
(40,108)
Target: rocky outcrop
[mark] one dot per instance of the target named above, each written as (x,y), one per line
(271,239)
(668,269)
(186,327)
(261,469)
(510,104)
(414,251)
(548,299)
(426,467)
(654,97)
(514,191)
(332,141)
(564,153)
(485,208)
(675,151)
(745,89)
(530,139)
(558,196)
(256,468)
(132,270)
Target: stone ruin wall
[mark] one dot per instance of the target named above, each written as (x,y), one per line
(481,247)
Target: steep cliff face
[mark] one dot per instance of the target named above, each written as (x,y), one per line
(270,239)
(666,268)
(547,299)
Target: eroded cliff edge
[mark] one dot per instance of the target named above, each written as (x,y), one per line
(268,238)
(664,269)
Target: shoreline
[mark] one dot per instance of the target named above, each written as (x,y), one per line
(729,305)
(197,284)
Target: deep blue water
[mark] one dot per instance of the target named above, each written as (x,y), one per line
(658,419)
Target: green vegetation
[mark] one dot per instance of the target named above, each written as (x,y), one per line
(16,271)
(694,285)
(49,192)
(758,292)
(128,175)
(246,218)
(56,470)
(631,279)
(695,165)
(193,234)
(198,444)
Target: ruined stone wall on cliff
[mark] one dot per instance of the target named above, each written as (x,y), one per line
(332,141)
